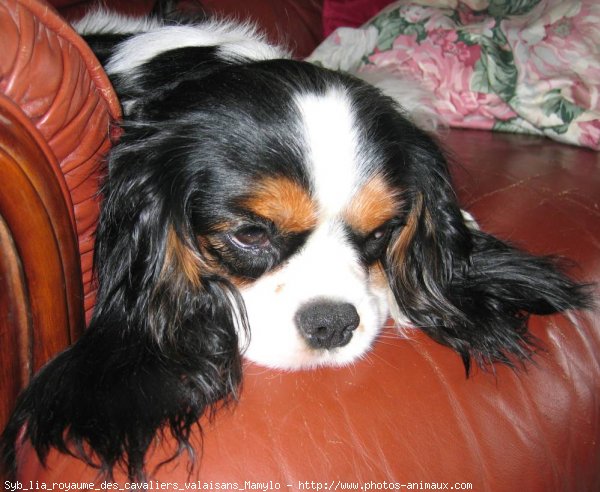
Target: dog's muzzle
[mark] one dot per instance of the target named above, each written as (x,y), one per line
(327,324)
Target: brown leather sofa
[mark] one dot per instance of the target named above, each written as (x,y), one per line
(406,414)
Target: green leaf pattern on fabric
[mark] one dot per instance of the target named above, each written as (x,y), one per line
(555,104)
(498,65)
(389,26)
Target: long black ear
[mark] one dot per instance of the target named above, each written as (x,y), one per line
(465,288)
(161,349)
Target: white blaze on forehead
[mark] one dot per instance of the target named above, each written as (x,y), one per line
(332,142)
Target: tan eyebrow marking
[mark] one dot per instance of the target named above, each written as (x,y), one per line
(285,202)
(374,204)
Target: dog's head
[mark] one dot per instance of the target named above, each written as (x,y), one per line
(302,189)
(273,209)
(315,200)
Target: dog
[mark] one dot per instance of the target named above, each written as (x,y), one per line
(261,207)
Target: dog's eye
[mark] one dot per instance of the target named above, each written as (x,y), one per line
(375,243)
(378,235)
(251,237)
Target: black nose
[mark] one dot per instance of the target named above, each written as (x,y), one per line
(327,324)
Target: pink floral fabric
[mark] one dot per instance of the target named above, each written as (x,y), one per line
(525,66)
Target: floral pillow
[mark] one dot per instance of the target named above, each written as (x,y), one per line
(528,66)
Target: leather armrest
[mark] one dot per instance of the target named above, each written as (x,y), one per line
(56,108)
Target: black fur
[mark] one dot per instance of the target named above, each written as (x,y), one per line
(161,349)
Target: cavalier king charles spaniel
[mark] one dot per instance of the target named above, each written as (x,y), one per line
(266,208)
